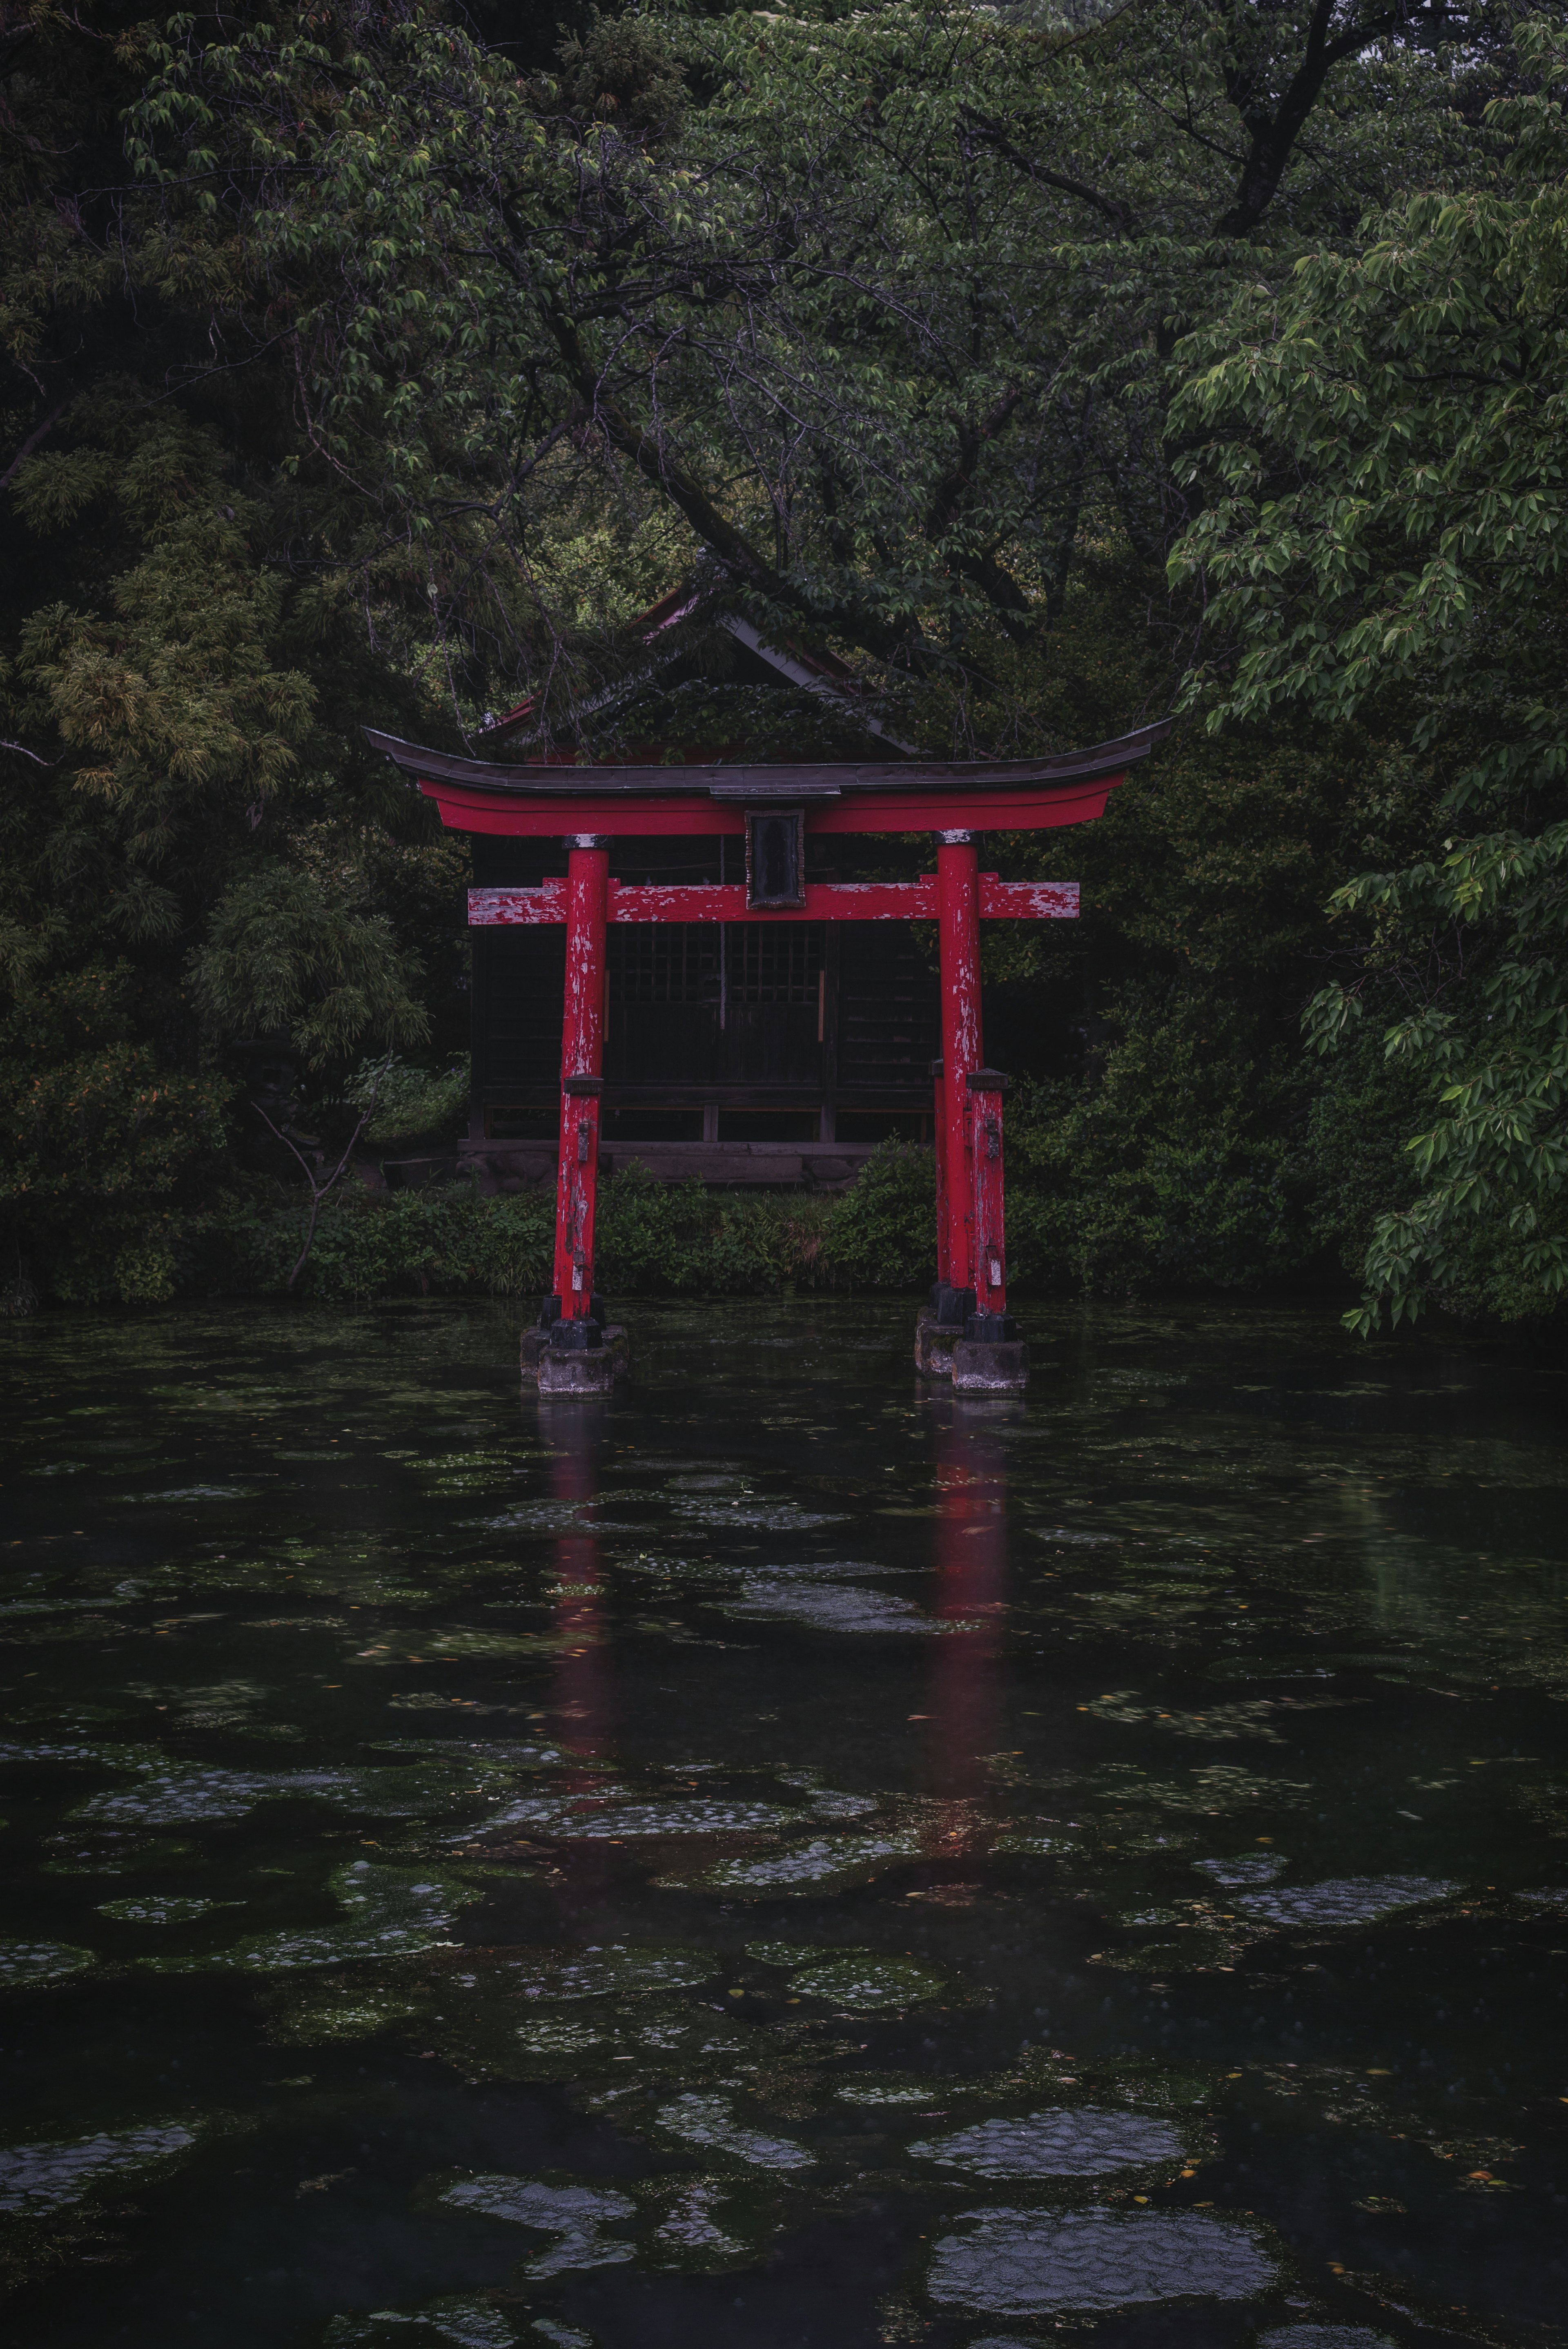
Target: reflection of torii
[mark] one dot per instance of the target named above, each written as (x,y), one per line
(971,1562)
(572,1427)
(969,1600)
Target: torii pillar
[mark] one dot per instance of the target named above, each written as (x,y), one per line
(575,1349)
(968,1332)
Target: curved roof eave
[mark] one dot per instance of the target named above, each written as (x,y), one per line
(817,779)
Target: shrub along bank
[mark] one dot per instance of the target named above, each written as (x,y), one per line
(654,1240)
(1223,1213)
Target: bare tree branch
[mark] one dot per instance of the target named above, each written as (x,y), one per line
(318,1190)
(1275,130)
(40,432)
(991,132)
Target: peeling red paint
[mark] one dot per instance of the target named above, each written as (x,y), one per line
(990,1251)
(826,901)
(959,911)
(583,893)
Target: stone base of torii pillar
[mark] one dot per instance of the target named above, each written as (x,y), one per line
(589,1369)
(992,1368)
(989,1365)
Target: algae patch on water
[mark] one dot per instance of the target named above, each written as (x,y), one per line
(314,2013)
(575,2216)
(194,1492)
(484,1754)
(781,1517)
(589,1818)
(692,2235)
(785,1953)
(467,2321)
(1307,1667)
(859,1982)
(707,2124)
(660,2038)
(877,2088)
(828,1864)
(1246,1870)
(1033,2263)
(388,1911)
(828,1606)
(497,2013)
(461,1647)
(33,1965)
(634,1969)
(162,1909)
(1078,2142)
(696,2225)
(709,2224)
(53,2193)
(1346,1901)
(93,1752)
(36,2179)
(1216,1786)
(125,1859)
(1324,2336)
(187,1795)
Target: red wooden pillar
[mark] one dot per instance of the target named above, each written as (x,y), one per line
(958,912)
(986,1087)
(582,1055)
(939,1130)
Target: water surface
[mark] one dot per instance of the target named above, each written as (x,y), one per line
(788,1857)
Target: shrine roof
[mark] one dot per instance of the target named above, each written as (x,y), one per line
(759,785)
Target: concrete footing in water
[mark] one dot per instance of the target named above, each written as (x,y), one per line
(592,1370)
(933,1344)
(943,1350)
(991,1368)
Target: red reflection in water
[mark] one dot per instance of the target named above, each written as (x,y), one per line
(971,1590)
(580,1699)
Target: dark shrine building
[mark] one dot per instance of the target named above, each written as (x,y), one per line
(728,998)
(735,1050)
(817,1032)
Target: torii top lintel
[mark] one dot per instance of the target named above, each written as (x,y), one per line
(544,800)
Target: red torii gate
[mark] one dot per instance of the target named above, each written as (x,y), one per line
(776,810)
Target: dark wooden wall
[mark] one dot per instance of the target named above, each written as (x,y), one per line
(785,1015)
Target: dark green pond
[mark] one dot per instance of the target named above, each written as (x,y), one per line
(785,1859)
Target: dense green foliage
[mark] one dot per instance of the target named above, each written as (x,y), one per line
(377,366)
(1390,532)
(197,849)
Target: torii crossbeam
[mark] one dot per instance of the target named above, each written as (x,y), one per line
(778,809)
